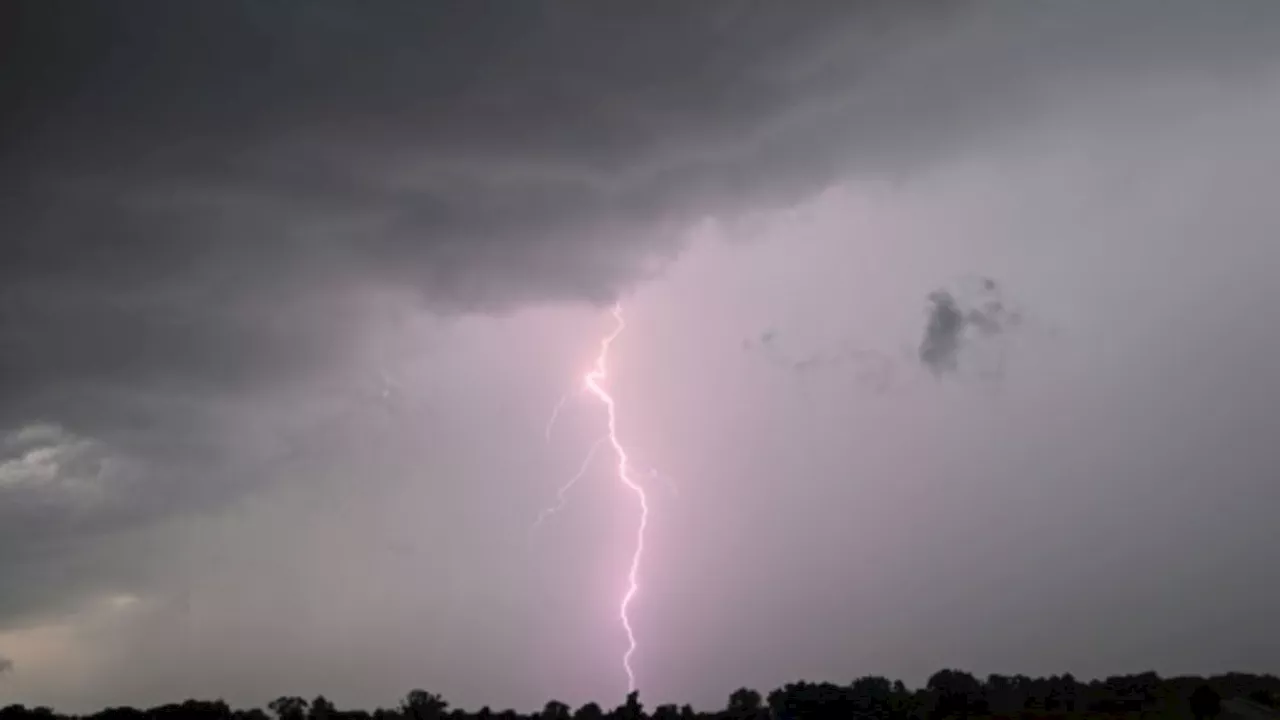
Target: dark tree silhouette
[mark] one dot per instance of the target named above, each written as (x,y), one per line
(289,708)
(321,709)
(955,692)
(745,704)
(1262,697)
(632,709)
(590,711)
(668,711)
(1205,703)
(872,694)
(422,705)
(556,710)
(949,693)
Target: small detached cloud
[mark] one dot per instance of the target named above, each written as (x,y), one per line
(962,319)
(940,348)
(43,462)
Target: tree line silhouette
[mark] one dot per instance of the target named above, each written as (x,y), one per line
(948,693)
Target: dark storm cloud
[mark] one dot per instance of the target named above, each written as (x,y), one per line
(183,184)
(190,190)
(6,665)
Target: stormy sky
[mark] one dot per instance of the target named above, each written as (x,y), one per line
(289,290)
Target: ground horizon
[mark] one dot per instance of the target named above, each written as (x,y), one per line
(948,692)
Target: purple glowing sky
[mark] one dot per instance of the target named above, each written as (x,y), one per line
(278,362)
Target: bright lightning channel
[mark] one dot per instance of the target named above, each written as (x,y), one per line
(593,382)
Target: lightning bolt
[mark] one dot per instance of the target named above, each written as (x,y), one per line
(555,415)
(563,492)
(597,375)
(594,383)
